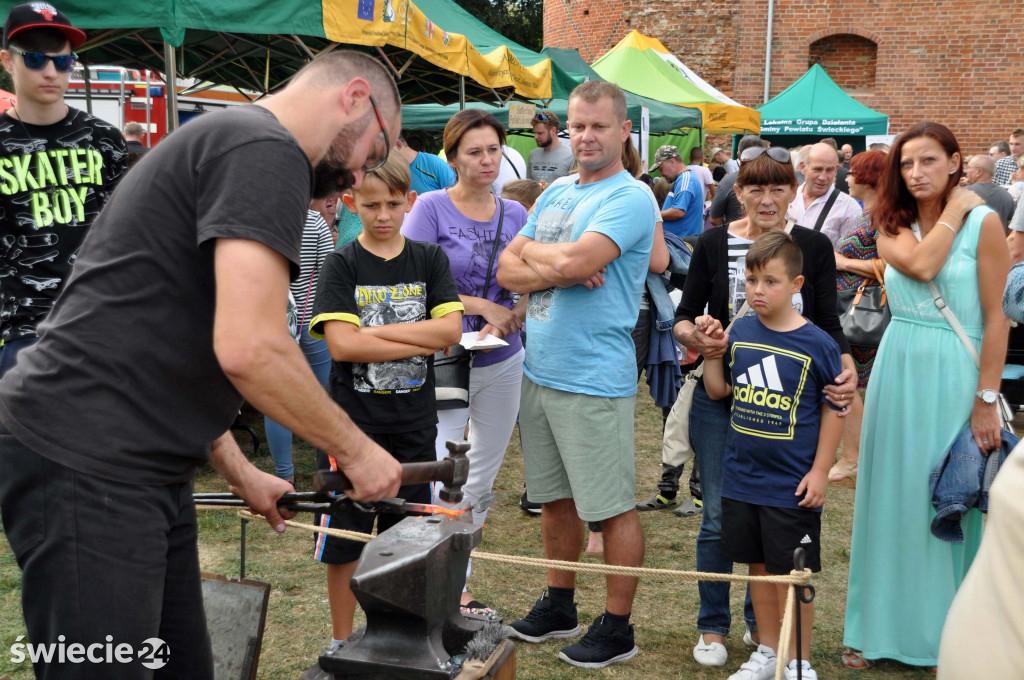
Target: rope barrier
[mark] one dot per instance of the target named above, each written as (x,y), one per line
(798,578)
(793,579)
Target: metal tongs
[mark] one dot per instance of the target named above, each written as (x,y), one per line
(318,501)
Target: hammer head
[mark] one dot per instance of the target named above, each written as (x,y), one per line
(451,492)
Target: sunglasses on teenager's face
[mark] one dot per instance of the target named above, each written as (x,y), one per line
(36,61)
(776,153)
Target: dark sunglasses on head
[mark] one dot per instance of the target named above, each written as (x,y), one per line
(36,61)
(776,153)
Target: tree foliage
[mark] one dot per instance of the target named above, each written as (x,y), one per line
(521,21)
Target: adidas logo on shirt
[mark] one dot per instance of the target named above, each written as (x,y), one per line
(805,540)
(761,386)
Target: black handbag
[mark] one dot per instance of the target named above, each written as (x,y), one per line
(451,378)
(863,311)
(451,371)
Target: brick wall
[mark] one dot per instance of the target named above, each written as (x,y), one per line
(955,62)
(701,34)
(849,59)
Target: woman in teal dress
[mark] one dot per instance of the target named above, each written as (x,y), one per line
(921,396)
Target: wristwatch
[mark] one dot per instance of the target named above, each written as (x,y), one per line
(988,396)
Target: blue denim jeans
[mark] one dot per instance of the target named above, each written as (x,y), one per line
(709,423)
(9,353)
(279,438)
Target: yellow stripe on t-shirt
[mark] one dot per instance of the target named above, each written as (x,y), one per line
(446,308)
(321,318)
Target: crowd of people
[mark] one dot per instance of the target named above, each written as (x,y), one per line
(329,308)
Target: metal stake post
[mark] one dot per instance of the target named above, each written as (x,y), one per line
(171,74)
(241,568)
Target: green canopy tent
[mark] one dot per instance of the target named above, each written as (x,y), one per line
(437,51)
(669,124)
(646,73)
(664,117)
(815,107)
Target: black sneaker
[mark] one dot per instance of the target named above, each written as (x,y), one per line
(603,645)
(525,504)
(546,621)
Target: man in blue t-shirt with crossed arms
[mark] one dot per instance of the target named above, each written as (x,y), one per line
(582,257)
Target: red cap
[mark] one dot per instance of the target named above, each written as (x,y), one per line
(40,15)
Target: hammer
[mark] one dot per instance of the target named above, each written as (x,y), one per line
(453,471)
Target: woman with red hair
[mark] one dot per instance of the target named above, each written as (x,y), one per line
(927,390)
(853,266)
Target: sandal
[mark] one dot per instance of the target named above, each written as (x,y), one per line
(855,660)
(476,607)
(656,502)
(691,508)
(843,474)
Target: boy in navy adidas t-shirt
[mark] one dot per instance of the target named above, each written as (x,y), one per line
(782,438)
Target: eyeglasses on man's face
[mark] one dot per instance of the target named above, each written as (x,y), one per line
(379,154)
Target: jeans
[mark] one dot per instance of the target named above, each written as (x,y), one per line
(279,438)
(709,423)
(661,304)
(104,561)
(9,353)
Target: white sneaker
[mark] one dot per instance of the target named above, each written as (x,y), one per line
(713,654)
(761,665)
(748,639)
(807,673)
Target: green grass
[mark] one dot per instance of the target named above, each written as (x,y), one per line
(664,613)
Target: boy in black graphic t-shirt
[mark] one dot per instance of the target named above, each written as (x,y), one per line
(385,305)
(782,438)
(58,167)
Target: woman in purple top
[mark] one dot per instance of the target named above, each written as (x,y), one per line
(466,221)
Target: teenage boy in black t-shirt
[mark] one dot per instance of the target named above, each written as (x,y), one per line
(58,167)
(385,305)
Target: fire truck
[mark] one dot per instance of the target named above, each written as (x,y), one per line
(120,96)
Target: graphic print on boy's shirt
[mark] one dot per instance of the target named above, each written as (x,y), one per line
(390,304)
(777,380)
(54,180)
(763,404)
(359,288)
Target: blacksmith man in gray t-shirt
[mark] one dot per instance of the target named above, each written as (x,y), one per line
(176,310)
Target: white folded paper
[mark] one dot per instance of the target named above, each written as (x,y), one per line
(469,341)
